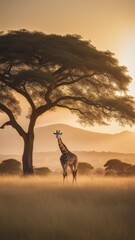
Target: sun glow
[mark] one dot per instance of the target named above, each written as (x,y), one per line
(127,58)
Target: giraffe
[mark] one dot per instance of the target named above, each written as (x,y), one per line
(67,158)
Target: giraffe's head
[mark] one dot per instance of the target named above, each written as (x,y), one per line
(57,133)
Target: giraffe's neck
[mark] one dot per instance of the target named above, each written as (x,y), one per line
(62,147)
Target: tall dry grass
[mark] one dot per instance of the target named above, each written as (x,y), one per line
(45,209)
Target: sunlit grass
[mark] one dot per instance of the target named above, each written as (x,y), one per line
(45,208)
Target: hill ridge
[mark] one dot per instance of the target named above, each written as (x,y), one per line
(74,138)
(66,125)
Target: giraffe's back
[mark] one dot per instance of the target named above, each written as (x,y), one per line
(68,158)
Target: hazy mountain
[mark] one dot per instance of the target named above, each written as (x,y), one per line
(74,138)
(81,140)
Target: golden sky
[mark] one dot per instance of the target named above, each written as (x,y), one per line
(109,24)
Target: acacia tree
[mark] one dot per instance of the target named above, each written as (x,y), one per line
(52,71)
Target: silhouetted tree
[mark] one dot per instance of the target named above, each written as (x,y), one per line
(131,171)
(99,171)
(10,166)
(84,168)
(117,167)
(42,171)
(52,71)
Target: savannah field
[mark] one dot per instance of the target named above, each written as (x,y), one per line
(40,208)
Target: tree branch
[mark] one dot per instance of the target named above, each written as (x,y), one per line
(74,80)
(81,99)
(48,106)
(71,109)
(13,121)
(27,96)
(8,69)
(23,93)
(44,108)
(5,124)
(59,71)
(85,101)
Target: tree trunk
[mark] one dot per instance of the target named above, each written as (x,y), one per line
(27,158)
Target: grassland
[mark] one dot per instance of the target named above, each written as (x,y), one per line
(45,209)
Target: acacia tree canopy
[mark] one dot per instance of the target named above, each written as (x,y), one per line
(52,71)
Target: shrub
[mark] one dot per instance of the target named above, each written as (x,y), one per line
(42,171)
(10,166)
(117,167)
(85,168)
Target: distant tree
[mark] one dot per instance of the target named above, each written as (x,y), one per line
(99,171)
(52,71)
(42,171)
(131,171)
(10,166)
(84,168)
(117,167)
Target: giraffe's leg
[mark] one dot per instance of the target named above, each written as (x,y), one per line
(64,172)
(74,172)
(64,176)
(71,167)
(74,175)
(75,166)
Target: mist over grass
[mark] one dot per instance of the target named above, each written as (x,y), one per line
(40,208)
